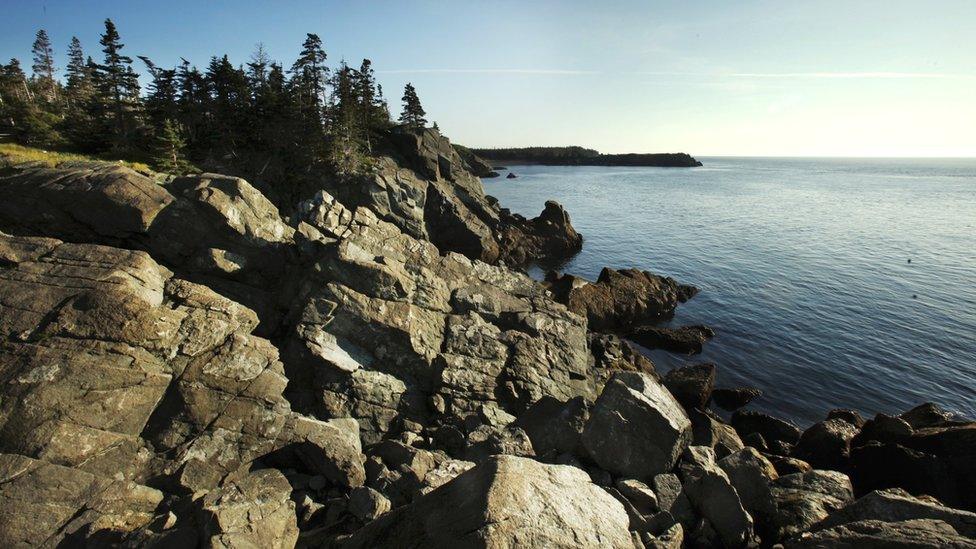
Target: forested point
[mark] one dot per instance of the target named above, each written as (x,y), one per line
(260,120)
(580,156)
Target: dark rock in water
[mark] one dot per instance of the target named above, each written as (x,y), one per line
(826,445)
(883,428)
(610,354)
(929,415)
(747,422)
(686,292)
(691,385)
(618,300)
(733,399)
(549,237)
(686,339)
(499,168)
(511,175)
(850,416)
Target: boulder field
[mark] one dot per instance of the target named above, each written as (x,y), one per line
(181,365)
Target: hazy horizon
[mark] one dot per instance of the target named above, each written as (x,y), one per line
(818,79)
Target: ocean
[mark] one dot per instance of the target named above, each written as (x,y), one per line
(830,283)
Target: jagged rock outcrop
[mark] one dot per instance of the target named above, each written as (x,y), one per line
(181,367)
(618,300)
(545,239)
(456,334)
(118,375)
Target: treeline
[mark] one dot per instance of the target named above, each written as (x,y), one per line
(537,154)
(258,118)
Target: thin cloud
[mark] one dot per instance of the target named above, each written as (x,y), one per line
(813,75)
(487,71)
(849,75)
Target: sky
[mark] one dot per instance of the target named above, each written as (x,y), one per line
(747,78)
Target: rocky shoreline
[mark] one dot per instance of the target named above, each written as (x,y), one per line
(182,365)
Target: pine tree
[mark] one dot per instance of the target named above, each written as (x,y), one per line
(161,103)
(169,149)
(43,67)
(345,118)
(257,68)
(79,82)
(20,114)
(309,74)
(119,87)
(307,85)
(371,104)
(413,114)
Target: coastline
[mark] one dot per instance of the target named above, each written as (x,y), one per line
(361,365)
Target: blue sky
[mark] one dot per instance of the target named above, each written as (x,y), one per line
(805,78)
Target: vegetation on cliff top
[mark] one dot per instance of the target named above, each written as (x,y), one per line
(261,120)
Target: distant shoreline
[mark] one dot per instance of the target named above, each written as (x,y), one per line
(579,156)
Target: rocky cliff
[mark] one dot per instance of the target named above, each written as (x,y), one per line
(181,366)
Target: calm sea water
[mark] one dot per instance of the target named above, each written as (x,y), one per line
(803,266)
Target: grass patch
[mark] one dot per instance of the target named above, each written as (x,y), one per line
(12,154)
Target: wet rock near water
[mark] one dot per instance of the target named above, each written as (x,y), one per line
(685,339)
(618,300)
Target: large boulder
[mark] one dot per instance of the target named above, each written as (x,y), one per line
(747,422)
(94,202)
(618,300)
(896,505)
(252,509)
(804,499)
(546,239)
(751,475)
(505,502)
(636,428)
(917,534)
(683,339)
(827,444)
(714,497)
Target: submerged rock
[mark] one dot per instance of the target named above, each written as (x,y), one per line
(733,399)
(691,385)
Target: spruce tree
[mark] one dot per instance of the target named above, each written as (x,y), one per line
(79,85)
(413,114)
(119,87)
(169,148)
(43,67)
(309,74)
